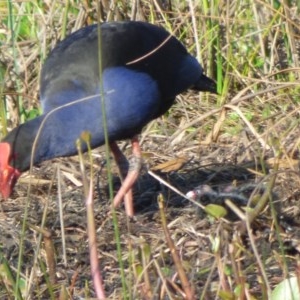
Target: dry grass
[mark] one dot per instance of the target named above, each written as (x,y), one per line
(247,135)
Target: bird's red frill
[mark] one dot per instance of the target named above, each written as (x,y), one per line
(8,174)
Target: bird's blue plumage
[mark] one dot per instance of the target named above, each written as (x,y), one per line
(125,117)
(143,69)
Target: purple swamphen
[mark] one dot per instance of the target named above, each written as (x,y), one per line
(143,69)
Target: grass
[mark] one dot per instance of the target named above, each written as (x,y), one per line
(248,134)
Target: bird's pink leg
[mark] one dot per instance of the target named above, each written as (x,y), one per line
(129,173)
(123,166)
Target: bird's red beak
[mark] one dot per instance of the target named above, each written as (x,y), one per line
(8,174)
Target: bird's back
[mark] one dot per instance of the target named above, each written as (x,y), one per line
(73,66)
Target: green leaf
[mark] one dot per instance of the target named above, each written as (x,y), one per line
(226,295)
(216,211)
(288,289)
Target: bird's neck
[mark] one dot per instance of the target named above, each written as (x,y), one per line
(22,140)
(50,135)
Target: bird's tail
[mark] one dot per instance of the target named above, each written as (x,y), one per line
(205,84)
